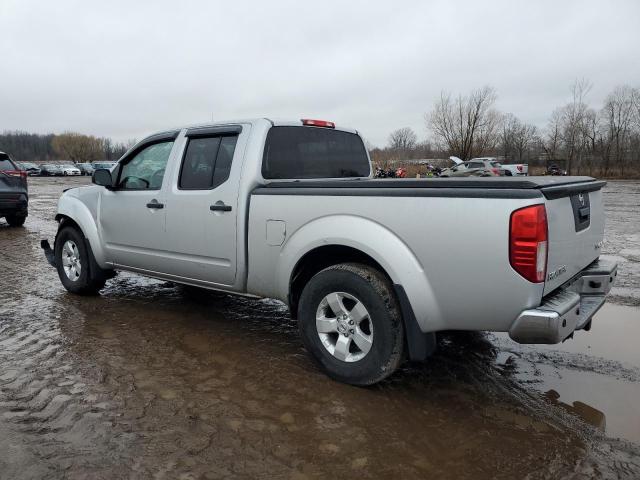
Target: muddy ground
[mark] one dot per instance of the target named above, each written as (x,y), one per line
(149,381)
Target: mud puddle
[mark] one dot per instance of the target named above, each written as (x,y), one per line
(595,375)
(151,380)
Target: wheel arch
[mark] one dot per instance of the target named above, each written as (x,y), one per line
(318,259)
(71,211)
(310,249)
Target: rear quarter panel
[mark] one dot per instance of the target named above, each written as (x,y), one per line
(450,254)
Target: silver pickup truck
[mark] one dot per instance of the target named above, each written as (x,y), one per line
(371,269)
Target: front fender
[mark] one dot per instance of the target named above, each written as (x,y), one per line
(373,239)
(77,210)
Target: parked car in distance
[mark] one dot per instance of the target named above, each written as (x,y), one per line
(555,171)
(103,164)
(288,210)
(50,170)
(14,195)
(85,168)
(516,169)
(474,168)
(32,169)
(69,170)
(510,170)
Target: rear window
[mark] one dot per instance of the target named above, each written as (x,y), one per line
(6,164)
(311,152)
(496,164)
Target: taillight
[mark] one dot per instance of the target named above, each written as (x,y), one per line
(496,171)
(17,173)
(528,237)
(520,167)
(318,123)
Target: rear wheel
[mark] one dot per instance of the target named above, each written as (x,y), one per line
(16,220)
(77,269)
(350,323)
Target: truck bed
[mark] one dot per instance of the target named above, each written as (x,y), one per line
(460,246)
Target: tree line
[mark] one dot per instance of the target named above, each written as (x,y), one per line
(581,138)
(79,148)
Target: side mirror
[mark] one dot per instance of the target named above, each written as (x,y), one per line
(102,177)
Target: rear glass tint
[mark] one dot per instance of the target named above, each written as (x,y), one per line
(311,152)
(5,164)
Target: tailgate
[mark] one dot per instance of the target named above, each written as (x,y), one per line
(575,218)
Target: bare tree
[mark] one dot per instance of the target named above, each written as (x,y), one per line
(572,118)
(77,147)
(552,142)
(403,140)
(516,137)
(618,117)
(467,125)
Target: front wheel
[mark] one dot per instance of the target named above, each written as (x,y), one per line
(76,267)
(350,322)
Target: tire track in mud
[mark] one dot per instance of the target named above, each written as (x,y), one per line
(44,404)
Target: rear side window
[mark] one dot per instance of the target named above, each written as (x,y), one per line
(6,163)
(207,162)
(311,152)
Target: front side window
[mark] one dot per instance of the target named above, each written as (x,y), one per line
(207,162)
(145,170)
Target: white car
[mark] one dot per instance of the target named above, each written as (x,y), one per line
(68,170)
(510,170)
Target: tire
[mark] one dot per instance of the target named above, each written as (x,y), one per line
(15,220)
(381,330)
(508,173)
(85,277)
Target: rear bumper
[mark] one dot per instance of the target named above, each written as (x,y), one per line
(568,308)
(13,204)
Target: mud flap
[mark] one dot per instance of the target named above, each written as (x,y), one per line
(48,252)
(419,344)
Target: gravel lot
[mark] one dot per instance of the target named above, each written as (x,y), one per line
(150,380)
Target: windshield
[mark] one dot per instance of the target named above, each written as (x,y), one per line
(496,164)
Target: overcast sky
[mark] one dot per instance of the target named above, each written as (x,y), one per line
(123,69)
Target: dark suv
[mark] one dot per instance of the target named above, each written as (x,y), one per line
(14,197)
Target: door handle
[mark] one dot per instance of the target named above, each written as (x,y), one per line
(220,208)
(155,204)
